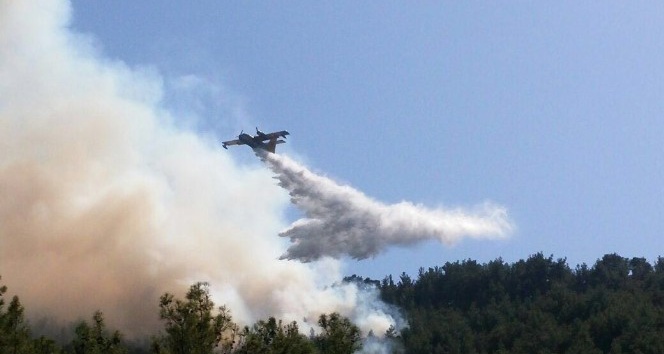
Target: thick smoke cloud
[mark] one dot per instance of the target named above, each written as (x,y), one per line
(343,221)
(105,204)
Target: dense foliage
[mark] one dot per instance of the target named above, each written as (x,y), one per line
(191,327)
(537,305)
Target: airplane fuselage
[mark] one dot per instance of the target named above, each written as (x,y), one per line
(261,140)
(255,143)
(249,140)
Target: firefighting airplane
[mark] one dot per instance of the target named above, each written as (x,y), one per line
(267,142)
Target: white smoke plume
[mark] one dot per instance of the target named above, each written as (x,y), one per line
(341,220)
(105,204)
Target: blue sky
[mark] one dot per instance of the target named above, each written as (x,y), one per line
(553,110)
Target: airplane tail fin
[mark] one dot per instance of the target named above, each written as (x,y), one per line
(272,145)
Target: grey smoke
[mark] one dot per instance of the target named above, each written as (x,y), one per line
(105,203)
(340,220)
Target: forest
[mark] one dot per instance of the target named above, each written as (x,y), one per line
(536,305)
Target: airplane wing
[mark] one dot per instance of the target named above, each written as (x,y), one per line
(231,142)
(270,136)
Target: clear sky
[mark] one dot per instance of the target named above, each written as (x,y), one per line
(554,110)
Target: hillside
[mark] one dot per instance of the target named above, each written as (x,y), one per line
(537,305)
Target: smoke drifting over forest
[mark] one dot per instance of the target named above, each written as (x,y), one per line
(105,204)
(343,221)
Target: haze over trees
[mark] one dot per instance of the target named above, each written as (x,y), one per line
(537,305)
(191,326)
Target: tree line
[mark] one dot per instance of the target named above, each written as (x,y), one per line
(191,326)
(536,305)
